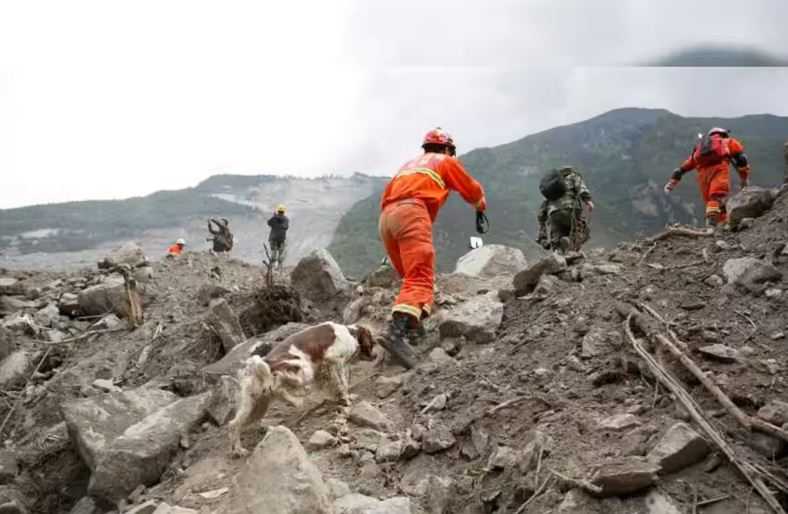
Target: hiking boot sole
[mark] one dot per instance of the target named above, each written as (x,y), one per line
(406,358)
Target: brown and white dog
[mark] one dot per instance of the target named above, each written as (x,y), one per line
(321,354)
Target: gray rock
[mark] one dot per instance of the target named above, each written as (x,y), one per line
(364,414)
(337,487)
(578,501)
(86,505)
(526,280)
(679,448)
(225,324)
(750,273)
(128,438)
(15,368)
(767,445)
(389,451)
(384,276)
(368,439)
(108,322)
(11,286)
(21,323)
(750,202)
(106,385)
(386,386)
(603,269)
(318,276)
(221,408)
(625,475)
(595,344)
(320,440)
(355,503)
(438,496)
(48,316)
(477,319)
(491,261)
(503,457)
(279,478)
(68,304)
(439,355)
(437,439)
(208,292)
(619,422)
(775,412)
(231,363)
(109,296)
(8,467)
(720,352)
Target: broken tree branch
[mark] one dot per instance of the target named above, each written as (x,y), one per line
(680,231)
(745,468)
(21,396)
(536,494)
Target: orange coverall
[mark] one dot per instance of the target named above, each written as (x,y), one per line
(175,250)
(409,206)
(713,177)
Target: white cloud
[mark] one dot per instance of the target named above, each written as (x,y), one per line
(102,99)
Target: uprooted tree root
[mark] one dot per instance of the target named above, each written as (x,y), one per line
(273,306)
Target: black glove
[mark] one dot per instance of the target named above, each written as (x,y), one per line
(482,223)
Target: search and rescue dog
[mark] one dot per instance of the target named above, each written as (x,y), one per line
(320,354)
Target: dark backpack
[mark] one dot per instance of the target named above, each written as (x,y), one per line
(553,185)
(711,151)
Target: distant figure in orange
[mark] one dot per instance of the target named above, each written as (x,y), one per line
(176,249)
(711,157)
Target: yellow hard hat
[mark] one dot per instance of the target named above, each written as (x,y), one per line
(280,208)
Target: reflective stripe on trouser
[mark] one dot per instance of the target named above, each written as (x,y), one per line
(406,231)
(714,185)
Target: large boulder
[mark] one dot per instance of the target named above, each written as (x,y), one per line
(225,324)
(477,319)
(750,202)
(279,478)
(491,261)
(231,363)
(108,296)
(128,438)
(526,280)
(750,273)
(11,286)
(318,276)
(15,368)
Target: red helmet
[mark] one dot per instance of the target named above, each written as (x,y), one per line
(438,136)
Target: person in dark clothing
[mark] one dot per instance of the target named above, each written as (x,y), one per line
(279,225)
(222,237)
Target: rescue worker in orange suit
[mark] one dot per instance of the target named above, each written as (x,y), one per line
(711,157)
(176,249)
(409,206)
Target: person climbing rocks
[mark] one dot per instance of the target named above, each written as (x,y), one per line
(279,224)
(222,237)
(409,205)
(711,157)
(563,220)
(176,249)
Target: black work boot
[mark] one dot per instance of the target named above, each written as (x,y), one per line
(397,341)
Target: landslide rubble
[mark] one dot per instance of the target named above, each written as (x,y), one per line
(529,396)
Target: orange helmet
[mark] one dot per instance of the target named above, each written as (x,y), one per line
(438,136)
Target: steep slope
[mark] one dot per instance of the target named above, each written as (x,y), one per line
(626,156)
(76,233)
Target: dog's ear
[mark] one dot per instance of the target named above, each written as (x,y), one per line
(365,341)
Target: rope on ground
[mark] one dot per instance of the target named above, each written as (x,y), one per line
(680,231)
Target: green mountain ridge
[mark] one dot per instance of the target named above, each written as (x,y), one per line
(625,155)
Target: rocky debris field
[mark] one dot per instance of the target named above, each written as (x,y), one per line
(533,394)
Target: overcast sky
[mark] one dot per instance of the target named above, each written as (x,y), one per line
(109,99)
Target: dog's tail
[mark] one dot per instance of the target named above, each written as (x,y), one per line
(257,367)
